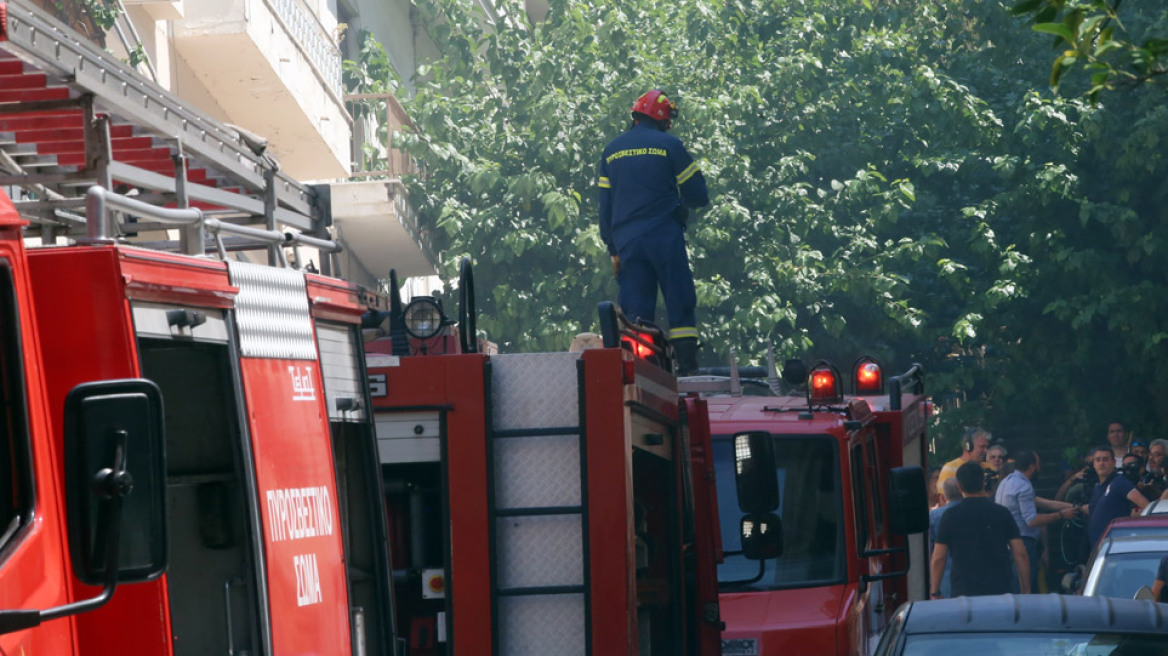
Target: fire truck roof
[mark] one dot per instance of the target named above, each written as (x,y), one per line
(746,410)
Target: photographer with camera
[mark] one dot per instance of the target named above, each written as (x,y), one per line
(1132,468)
(1153,483)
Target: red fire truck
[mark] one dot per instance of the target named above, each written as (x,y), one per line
(819,567)
(195,426)
(547,502)
(235,508)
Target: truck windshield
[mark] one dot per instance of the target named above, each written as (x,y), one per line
(811,510)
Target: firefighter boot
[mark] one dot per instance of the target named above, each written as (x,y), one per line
(685,351)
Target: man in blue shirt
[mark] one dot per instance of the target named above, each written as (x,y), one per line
(1160,586)
(1016,494)
(1113,497)
(648,182)
(952,494)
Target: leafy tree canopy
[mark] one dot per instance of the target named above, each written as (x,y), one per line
(1117,45)
(888,177)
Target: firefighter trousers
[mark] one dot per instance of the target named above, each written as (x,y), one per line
(658,259)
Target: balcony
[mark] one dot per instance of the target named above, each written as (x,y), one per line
(371,212)
(271,67)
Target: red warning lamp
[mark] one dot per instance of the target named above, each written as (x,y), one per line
(640,350)
(867,376)
(824,385)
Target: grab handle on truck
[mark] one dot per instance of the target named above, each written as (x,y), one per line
(467,328)
(912,380)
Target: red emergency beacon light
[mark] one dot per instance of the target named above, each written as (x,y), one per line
(645,341)
(867,376)
(824,385)
(639,349)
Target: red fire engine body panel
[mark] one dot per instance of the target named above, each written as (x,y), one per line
(455,385)
(33,565)
(458,386)
(306,585)
(88,335)
(610,473)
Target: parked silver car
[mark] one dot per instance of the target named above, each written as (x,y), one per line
(1123,564)
(1027,625)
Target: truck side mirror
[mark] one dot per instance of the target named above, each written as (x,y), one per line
(115,492)
(755,476)
(908,501)
(115,481)
(762,536)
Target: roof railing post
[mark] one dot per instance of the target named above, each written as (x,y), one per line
(96,217)
(104,153)
(98,149)
(192,238)
(275,251)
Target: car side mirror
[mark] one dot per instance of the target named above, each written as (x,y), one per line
(908,501)
(755,476)
(115,481)
(115,492)
(762,536)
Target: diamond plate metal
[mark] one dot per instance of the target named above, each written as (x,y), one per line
(542,625)
(272,312)
(540,551)
(534,390)
(537,472)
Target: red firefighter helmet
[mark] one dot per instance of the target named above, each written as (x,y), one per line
(656,106)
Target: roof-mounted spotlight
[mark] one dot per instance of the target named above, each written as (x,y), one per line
(794,372)
(424,318)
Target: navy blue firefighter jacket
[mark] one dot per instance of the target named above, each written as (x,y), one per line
(646,175)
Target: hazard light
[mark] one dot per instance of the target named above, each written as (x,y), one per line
(824,385)
(645,341)
(867,376)
(640,350)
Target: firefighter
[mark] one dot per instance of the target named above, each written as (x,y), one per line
(648,183)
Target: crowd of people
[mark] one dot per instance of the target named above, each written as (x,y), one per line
(990,533)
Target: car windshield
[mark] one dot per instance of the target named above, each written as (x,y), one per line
(1035,644)
(1123,574)
(810,507)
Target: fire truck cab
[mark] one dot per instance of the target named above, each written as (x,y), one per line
(548,502)
(819,556)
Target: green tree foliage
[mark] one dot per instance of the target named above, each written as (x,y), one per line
(885,179)
(1117,44)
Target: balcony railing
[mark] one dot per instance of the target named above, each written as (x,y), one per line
(377,116)
(307,31)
